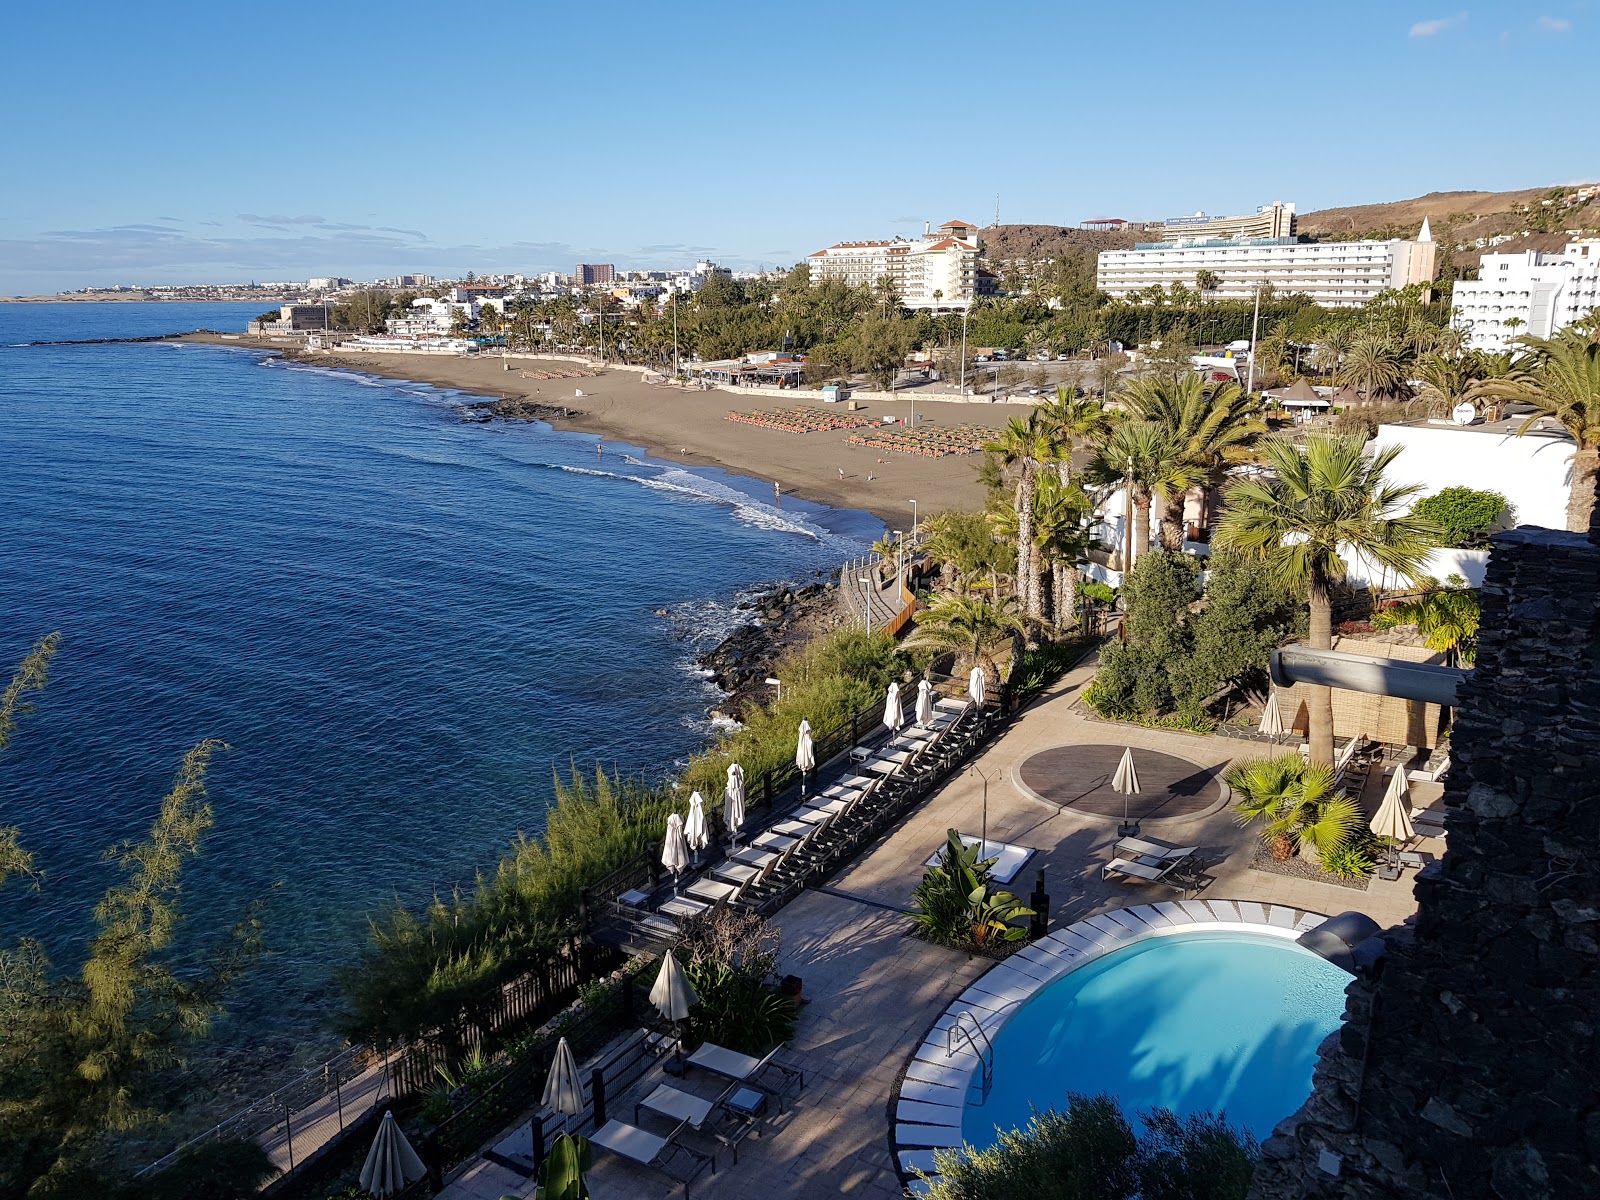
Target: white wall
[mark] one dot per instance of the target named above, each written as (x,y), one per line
(1533,472)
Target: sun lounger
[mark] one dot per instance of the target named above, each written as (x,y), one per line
(1139,847)
(714,891)
(683,907)
(745,1068)
(771,840)
(668,1101)
(1139,867)
(651,1150)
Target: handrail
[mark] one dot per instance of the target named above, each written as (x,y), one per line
(985,1053)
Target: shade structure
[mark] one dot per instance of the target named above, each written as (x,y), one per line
(562,1091)
(924,703)
(733,799)
(893,716)
(675,850)
(672,993)
(1272,717)
(1126,779)
(391,1163)
(805,753)
(977,686)
(695,833)
(1393,820)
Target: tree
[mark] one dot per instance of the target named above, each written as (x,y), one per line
(82,1055)
(1449,381)
(972,627)
(1446,616)
(1325,504)
(1074,423)
(961,543)
(1372,367)
(1146,457)
(1136,675)
(1466,515)
(1247,614)
(1296,802)
(1560,378)
(1026,444)
(956,903)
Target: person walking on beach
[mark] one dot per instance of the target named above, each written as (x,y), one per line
(597,449)
(841,474)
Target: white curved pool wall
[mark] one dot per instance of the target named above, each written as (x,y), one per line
(933,1095)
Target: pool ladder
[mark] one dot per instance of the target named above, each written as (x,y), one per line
(978,1041)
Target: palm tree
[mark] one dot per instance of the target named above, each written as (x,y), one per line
(1333,343)
(1026,443)
(1448,382)
(1297,802)
(1144,457)
(1373,367)
(972,627)
(1326,503)
(1212,429)
(1560,378)
(1074,422)
(1446,616)
(1063,540)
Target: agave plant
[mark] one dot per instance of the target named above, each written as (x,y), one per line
(956,904)
(1297,803)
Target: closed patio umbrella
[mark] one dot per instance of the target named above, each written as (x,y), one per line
(1126,781)
(733,801)
(391,1163)
(675,850)
(805,754)
(1393,820)
(977,686)
(695,834)
(1272,718)
(562,1091)
(673,995)
(893,717)
(924,703)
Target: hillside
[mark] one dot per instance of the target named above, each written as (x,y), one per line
(1464,222)
(1001,242)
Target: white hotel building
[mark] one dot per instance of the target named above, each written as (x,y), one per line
(945,261)
(1543,291)
(1333,274)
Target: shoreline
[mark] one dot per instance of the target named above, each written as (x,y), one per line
(690,428)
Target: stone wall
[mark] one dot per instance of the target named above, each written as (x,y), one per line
(1471,1066)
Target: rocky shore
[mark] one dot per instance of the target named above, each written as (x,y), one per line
(781,618)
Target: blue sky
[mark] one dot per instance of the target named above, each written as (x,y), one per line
(182,142)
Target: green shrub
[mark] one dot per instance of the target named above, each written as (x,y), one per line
(1356,859)
(957,904)
(1100,593)
(1297,804)
(731,957)
(1467,516)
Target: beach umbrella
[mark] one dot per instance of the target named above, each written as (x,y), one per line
(1272,718)
(562,1091)
(695,834)
(673,995)
(391,1163)
(924,703)
(1126,781)
(1393,820)
(892,716)
(733,801)
(675,850)
(805,754)
(977,686)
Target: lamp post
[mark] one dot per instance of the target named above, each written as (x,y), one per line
(913,519)
(866,602)
(1255,328)
(965,312)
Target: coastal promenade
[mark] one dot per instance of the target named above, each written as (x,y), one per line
(873,991)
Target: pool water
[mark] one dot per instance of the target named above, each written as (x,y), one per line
(1192,1022)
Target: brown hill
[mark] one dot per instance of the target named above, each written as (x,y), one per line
(1535,218)
(1001,242)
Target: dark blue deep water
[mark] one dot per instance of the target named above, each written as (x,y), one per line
(400,621)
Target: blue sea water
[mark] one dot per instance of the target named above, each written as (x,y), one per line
(400,621)
(1198,1022)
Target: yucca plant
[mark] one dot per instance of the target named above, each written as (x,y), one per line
(1297,803)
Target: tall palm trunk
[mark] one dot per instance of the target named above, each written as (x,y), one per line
(1141,522)
(1066,595)
(1580,503)
(1172,523)
(1319,700)
(1027,565)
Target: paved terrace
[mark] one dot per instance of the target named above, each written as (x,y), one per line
(873,991)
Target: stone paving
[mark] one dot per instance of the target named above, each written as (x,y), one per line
(873,991)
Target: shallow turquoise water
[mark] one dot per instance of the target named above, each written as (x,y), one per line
(1192,1022)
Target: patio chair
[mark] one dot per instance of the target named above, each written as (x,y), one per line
(1138,867)
(1144,848)
(745,1068)
(651,1150)
(714,891)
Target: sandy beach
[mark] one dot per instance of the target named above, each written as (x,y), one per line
(691,427)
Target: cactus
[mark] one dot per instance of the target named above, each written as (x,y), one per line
(561,1175)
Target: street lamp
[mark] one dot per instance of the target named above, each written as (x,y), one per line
(913,519)
(965,312)
(866,602)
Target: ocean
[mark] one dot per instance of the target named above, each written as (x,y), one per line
(402,622)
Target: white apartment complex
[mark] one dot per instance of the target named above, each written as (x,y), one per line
(1333,274)
(1275,220)
(944,261)
(1539,291)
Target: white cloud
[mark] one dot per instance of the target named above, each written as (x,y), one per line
(1438,25)
(1553,24)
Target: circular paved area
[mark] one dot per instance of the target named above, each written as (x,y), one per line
(1079,778)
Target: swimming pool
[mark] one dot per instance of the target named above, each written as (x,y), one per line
(1194,1021)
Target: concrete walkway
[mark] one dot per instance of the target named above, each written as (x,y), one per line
(873,991)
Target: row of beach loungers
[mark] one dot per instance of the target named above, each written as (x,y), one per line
(930,441)
(776,861)
(804,419)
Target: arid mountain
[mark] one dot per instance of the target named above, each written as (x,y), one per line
(1001,242)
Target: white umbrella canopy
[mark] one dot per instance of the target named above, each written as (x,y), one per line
(805,755)
(673,994)
(695,834)
(1272,717)
(1393,820)
(562,1091)
(391,1163)
(977,686)
(893,717)
(733,799)
(1126,780)
(675,850)
(924,703)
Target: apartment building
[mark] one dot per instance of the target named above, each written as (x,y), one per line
(1532,293)
(1275,220)
(944,261)
(587,274)
(1333,274)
